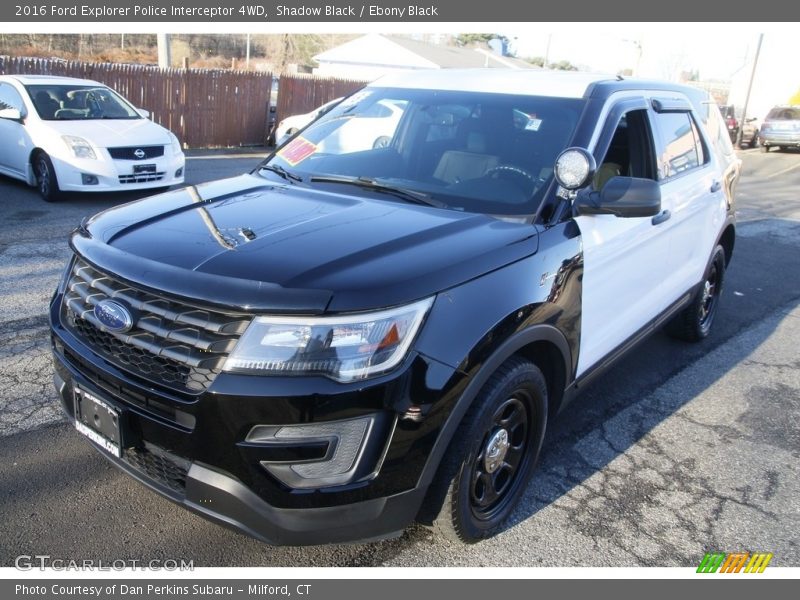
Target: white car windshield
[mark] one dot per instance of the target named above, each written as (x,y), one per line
(58,102)
(477,152)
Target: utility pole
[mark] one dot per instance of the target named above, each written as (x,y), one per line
(164,54)
(247,60)
(749,88)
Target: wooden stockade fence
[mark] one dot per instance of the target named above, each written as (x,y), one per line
(204,108)
(299,94)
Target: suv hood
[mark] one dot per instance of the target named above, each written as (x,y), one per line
(263,246)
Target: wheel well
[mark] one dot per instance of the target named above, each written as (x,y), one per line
(31,174)
(727,241)
(548,358)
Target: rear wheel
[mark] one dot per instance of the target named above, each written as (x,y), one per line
(694,322)
(46,180)
(493,453)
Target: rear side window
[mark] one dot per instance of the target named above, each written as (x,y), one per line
(679,145)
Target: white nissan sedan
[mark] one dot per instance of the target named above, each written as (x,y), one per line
(75,135)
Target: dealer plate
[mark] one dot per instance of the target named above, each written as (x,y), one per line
(139,169)
(98,420)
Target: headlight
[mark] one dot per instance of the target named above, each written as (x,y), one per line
(79,146)
(344,348)
(175,144)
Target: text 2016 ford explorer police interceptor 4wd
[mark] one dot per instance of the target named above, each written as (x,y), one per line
(365,332)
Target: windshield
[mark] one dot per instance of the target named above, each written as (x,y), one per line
(84,102)
(476,152)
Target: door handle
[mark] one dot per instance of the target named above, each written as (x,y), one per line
(664,215)
(716,186)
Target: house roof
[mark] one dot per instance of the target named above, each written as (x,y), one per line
(395,51)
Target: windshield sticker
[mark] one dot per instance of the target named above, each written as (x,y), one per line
(533,124)
(297,151)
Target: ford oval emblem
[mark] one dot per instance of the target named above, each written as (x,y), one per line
(113,316)
(139,153)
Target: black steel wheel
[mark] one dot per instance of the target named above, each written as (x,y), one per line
(694,322)
(493,454)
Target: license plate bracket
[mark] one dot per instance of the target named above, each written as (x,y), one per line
(143,169)
(99,421)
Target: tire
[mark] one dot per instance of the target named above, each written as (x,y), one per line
(46,180)
(510,415)
(754,141)
(694,322)
(382,141)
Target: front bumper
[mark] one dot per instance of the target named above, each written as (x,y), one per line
(222,498)
(112,175)
(193,449)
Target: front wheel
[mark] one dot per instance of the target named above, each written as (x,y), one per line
(493,453)
(46,180)
(694,322)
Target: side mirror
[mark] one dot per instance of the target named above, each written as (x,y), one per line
(11,114)
(144,112)
(621,196)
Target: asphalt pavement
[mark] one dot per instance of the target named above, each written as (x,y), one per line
(678,450)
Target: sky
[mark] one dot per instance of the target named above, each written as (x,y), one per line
(715,54)
(716,51)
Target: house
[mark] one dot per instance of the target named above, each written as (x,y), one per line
(370,56)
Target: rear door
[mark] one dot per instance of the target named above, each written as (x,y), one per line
(692,190)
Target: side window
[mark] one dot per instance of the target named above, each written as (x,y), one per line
(679,145)
(630,152)
(10,98)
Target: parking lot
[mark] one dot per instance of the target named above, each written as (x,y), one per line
(679,450)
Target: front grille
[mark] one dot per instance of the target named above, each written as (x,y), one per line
(171,343)
(141,177)
(129,153)
(159,465)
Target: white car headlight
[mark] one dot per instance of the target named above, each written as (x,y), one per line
(175,144)
(344,348)
(79,146)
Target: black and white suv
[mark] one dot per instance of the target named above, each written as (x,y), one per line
(365,332)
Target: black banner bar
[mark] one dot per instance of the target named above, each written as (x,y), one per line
(395,11)
(744,586)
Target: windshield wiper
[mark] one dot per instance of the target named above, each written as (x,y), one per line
(288,175)
(406,194)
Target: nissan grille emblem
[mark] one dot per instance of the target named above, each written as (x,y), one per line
(139,153)
(113,316)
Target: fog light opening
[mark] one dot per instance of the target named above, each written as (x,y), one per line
(179,172)
(347,441)
(87,179)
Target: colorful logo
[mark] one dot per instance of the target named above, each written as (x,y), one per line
(734,562)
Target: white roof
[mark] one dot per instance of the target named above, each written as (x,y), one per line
(562,84)
(49,80)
